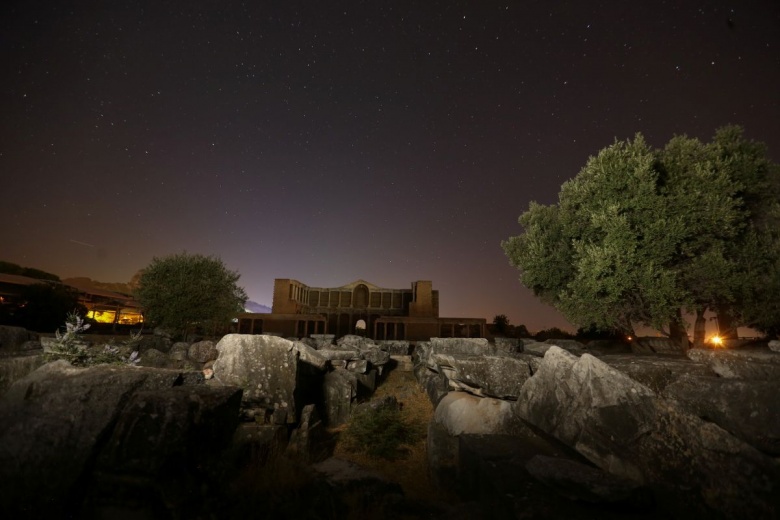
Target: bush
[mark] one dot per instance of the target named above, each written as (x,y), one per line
(552,333)
(379,431)
(187,292)
(70,346)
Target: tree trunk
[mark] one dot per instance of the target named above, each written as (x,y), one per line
(727,329)
(677,332)
(699,329)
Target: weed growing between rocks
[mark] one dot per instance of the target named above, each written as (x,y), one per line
(411,470)
(380,431)
(70,346)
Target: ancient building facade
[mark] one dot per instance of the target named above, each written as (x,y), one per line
(359,307)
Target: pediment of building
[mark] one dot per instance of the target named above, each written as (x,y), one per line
(354,284)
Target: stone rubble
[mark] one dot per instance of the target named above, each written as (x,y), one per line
(520,428)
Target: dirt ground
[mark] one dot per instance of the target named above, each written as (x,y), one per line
(410,471)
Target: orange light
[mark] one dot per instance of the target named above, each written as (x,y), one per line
(717,341)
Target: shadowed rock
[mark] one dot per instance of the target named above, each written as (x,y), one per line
(15,338)
(54,422)
(747,409)
(460,413)
(748,363)
(202,351)
(656,372)
(340,389)
(625,429)
(577,481)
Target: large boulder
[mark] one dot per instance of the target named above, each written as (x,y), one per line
(256,444)
(435,384)
(535,348)
(493,471)
(15,338)
(154,358)
(461,346)
(340,390)
(179,351)
(310,356)
(339,354)
(265,367)
(321,340)
(170,441)
(746,409)
(13,368)
(577,481)
(376,356)
(460,413)
(656,372)
(395,347)
(486,376)
(54,420)
(170,427)
(658,345)
(308,441)
(571,345)
(748,363)
(505,346)
(355,342)
(203,351)
(584,403)
(624,428)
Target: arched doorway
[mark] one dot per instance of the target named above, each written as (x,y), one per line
(360,327)
(360,297)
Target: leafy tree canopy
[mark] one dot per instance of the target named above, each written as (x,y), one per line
(187,291)
(641,235)
(552,333)
(521,331)
(500,324)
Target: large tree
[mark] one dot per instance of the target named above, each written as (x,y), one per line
(640,236)
(184,292)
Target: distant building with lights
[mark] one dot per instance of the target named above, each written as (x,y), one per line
(102,305)
(106,306)
(359,307)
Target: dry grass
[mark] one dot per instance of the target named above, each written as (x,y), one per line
(410,471)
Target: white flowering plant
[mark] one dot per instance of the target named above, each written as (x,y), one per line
(70,346)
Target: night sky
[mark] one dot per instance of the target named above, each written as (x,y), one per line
(391,141)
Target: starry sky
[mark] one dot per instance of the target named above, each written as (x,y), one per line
(391,141)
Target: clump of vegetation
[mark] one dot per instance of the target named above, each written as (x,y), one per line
(642,236)
(185,292)
(380,431)
(70,346)
(552,333)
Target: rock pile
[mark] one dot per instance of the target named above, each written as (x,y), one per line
(520,429)
(667,431)
(74,439)
(163,439)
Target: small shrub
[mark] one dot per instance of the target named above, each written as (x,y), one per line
(70,346)
(379,432)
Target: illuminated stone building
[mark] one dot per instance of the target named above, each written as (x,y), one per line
(359,307)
